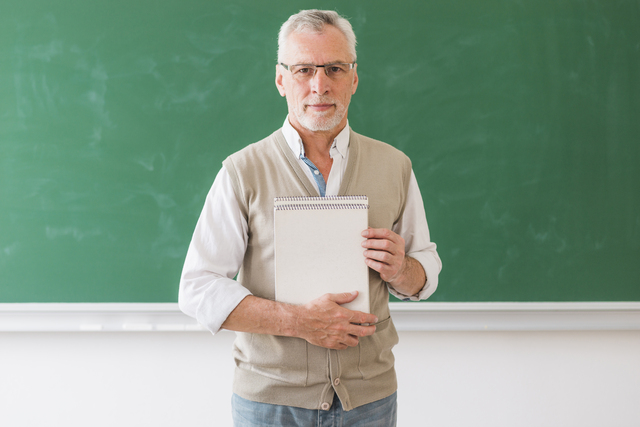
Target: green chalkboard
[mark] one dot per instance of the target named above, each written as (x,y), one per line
(522,118)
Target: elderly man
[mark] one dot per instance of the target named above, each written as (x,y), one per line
(306,364)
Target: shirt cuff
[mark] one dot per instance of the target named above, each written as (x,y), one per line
(218,302)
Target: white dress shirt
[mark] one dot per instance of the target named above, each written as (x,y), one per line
(208,291)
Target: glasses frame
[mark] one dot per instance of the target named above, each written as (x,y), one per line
(315,67)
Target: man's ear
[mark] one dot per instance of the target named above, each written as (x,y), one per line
(279,84)
(355,79)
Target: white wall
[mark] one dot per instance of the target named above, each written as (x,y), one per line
(580,378)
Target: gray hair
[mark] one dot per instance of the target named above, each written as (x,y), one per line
(314,21)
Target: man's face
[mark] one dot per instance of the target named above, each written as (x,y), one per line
(319,103)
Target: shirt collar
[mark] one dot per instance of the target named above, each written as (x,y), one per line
(340,143)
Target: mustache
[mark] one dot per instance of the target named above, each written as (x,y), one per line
(320,100)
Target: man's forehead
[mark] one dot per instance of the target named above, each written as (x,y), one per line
(307,47)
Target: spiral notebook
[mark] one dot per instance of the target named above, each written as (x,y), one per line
(318,248)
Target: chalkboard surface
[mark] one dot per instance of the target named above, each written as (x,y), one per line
(522,118)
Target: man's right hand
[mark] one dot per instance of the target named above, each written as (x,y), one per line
(322,322)
(325,323)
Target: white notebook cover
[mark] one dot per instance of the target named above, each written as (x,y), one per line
(318,248)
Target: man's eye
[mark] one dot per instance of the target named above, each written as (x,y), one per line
(336,69)
(304,70)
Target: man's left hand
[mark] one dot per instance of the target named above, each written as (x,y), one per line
(385,252)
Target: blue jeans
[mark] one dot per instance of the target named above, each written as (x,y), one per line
(382,413)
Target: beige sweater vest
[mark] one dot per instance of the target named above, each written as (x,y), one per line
(290,371)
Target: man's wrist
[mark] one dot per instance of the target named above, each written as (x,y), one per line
(412,278)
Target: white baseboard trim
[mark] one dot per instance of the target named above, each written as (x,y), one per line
(425,316)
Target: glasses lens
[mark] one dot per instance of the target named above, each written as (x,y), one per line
(302,72)
(336,71)
(306,71)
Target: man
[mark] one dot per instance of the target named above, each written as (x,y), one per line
(318,360)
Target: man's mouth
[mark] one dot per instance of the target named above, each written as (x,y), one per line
(320,107)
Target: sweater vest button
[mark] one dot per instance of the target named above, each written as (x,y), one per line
(325,406)
(336,381)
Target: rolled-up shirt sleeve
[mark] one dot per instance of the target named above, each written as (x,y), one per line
(208,291)
(413,228)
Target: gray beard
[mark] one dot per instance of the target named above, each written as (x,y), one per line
(321,123)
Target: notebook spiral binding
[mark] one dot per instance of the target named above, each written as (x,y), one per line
(321,207)
(313,199)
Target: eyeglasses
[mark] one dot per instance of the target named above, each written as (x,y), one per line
(334,71)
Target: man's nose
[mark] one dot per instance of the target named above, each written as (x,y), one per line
(320,81)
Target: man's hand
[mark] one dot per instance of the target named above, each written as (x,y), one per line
(385,254)
(323,322)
